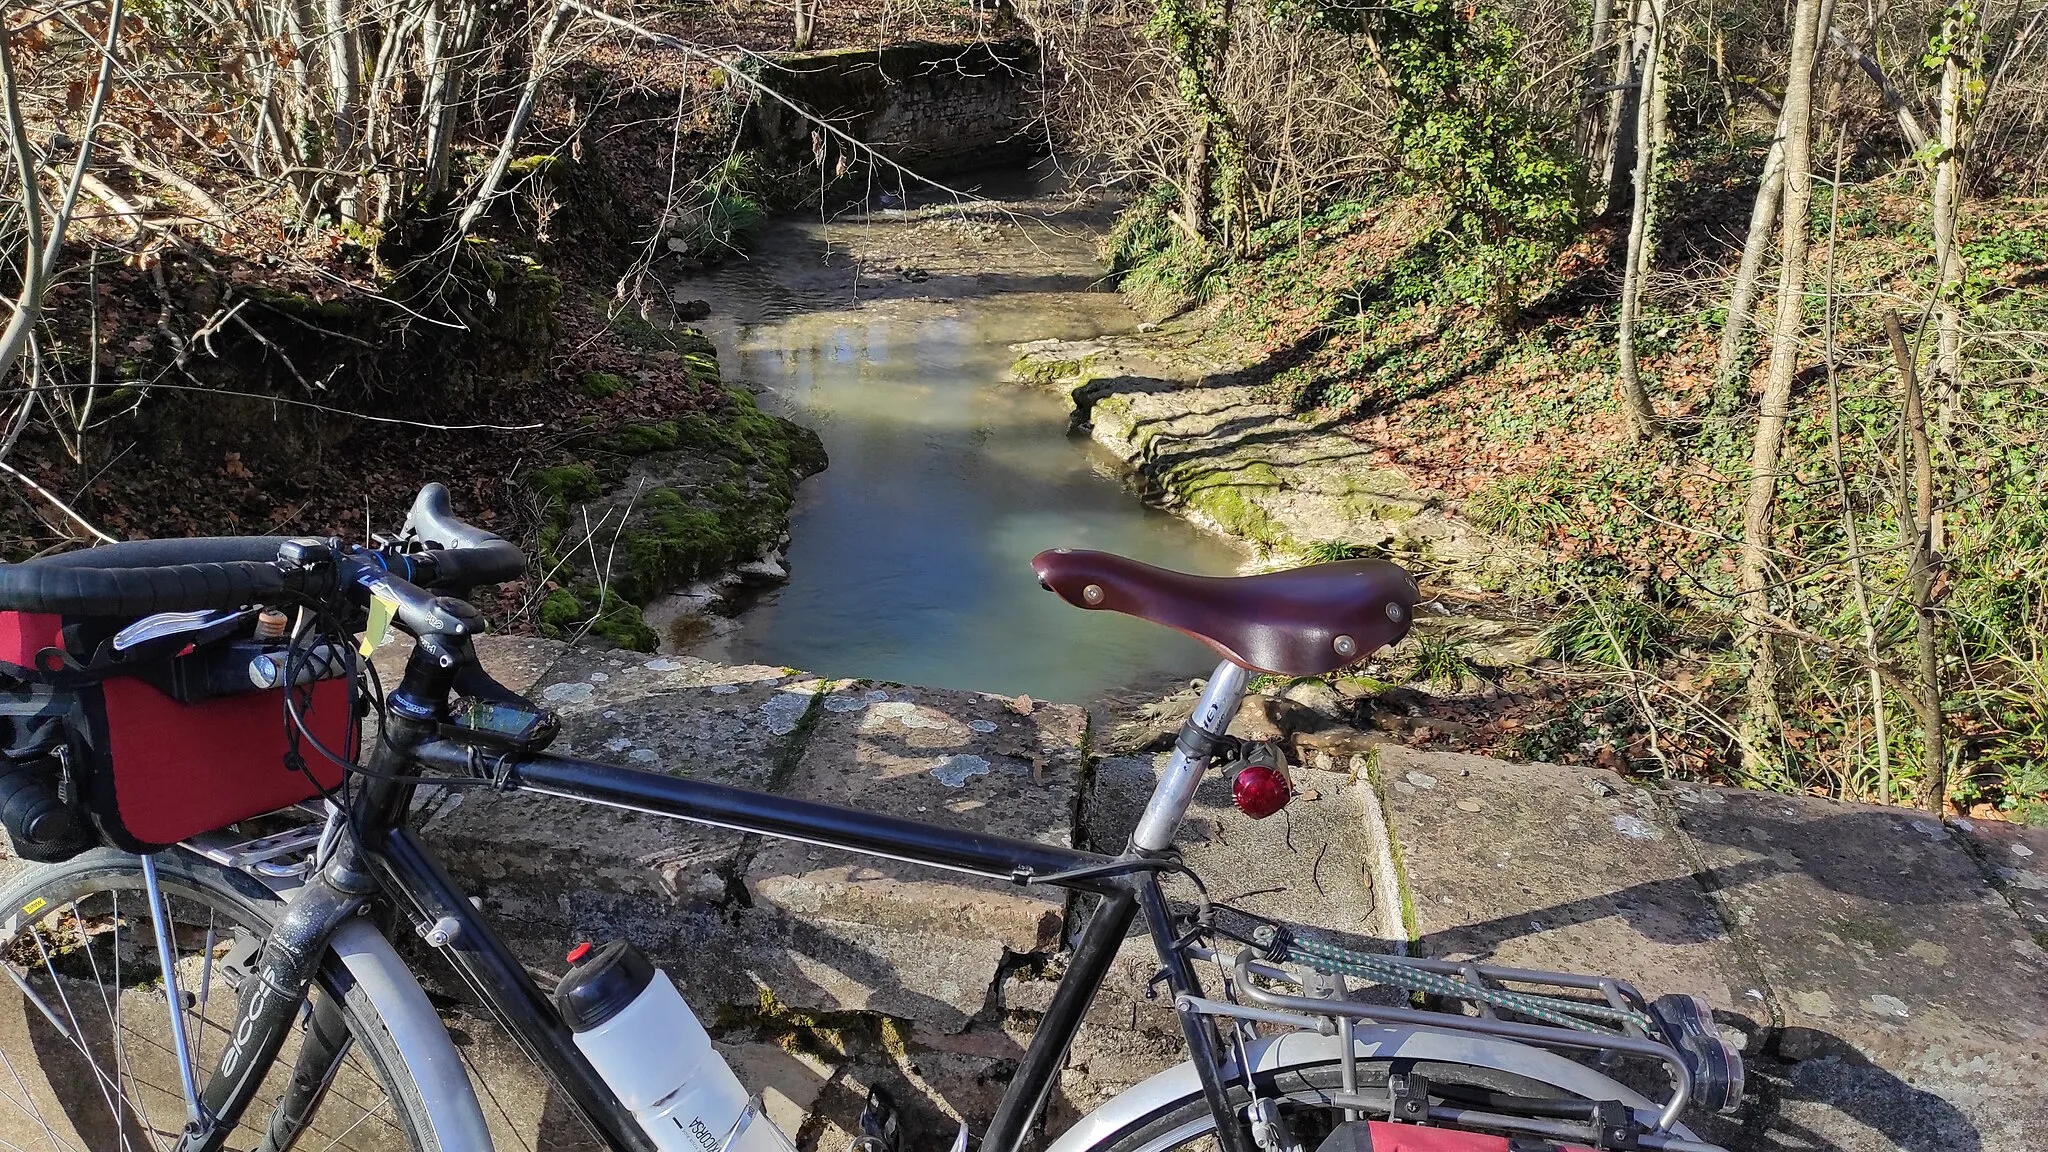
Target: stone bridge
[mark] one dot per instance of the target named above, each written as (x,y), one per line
(1883,971)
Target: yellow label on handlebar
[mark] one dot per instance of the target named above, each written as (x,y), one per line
(383,606)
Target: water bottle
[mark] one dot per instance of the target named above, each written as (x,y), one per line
(633,1027)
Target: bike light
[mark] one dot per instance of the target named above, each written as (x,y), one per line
(1260,791)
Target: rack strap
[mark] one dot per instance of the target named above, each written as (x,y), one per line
(1287,946)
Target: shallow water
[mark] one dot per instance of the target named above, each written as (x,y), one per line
(909,558)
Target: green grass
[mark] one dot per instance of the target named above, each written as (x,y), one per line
(1525,508)
(1611,628)
(1333,551)
(1444,662)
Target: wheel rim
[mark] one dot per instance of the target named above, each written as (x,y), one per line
(86,1057)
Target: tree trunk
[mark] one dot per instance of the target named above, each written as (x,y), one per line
(1651,127)
(1589,133)
(1917,527)
(344,73)
(806,24)
(449,41)
(1962,67)
(1194,195)
(1624,109)
(1731,367)
(1762,721)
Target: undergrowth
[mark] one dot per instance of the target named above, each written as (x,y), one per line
(1351,308)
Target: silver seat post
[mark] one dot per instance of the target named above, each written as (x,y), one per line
(1191,756)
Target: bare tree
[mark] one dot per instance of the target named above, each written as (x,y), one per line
(1762,721)
(1961,43)
(1589,131)
(1652,126)
(44,239)
(1731,366)
(1917,527)
(806,24)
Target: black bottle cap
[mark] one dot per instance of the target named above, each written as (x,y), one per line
(600,983)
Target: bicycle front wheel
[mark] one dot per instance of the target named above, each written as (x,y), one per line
(87,1056)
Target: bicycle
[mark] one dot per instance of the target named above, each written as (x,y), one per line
(296,1021)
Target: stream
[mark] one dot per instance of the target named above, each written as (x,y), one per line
(909,555)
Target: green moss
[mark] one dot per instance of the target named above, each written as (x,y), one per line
(565,484)
(640,439)
(670,542)
(599,385)
(1227,497)
(567,614)
(528,165)
(1047,371)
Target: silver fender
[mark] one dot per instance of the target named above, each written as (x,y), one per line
(416,1029)
(1178,1084)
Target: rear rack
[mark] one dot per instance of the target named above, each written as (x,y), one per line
(1300,983)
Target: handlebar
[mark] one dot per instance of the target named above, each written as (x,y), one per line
(149,576)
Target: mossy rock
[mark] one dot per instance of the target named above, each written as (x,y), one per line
(565,484)
(640,439)
(1225,496)
(602,385)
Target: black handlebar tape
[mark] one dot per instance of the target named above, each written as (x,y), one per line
(472,555)
(165,553)
(79,591)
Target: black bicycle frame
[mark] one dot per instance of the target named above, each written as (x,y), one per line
(387,855)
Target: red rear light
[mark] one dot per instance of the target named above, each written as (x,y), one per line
(1260,791)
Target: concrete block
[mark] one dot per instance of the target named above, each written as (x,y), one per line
(1911,987)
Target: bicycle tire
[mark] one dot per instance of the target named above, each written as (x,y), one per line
(36,906)
(1301,1090)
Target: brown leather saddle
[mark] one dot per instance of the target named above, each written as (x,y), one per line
(1301,622)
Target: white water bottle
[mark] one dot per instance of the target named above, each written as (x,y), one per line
(634,1028)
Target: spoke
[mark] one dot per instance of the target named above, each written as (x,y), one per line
(121,1065)
(78,1037)
(29,1097)
(113,1022)
(343,1134)
(205,991)
(482,1081)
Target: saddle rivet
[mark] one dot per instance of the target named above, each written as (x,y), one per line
(1092,593)
(1395,612)
(1345,646)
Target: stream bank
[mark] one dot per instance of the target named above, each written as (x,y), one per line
(888,331)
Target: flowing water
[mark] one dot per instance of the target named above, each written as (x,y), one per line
(909,555)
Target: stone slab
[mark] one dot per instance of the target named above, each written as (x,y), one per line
(557,868)
(1566,869)
(969,760)
(2016,856)
(1909,995)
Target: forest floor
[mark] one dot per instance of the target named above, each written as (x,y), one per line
(1324,396)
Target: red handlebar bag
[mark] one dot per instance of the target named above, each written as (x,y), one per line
(169,745)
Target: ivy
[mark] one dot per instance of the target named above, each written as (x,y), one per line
(1509,188)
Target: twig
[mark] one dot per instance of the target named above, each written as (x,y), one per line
(271,345)
(1879,719)
(215,214)
(61,506)
(487,189)
(431,427)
